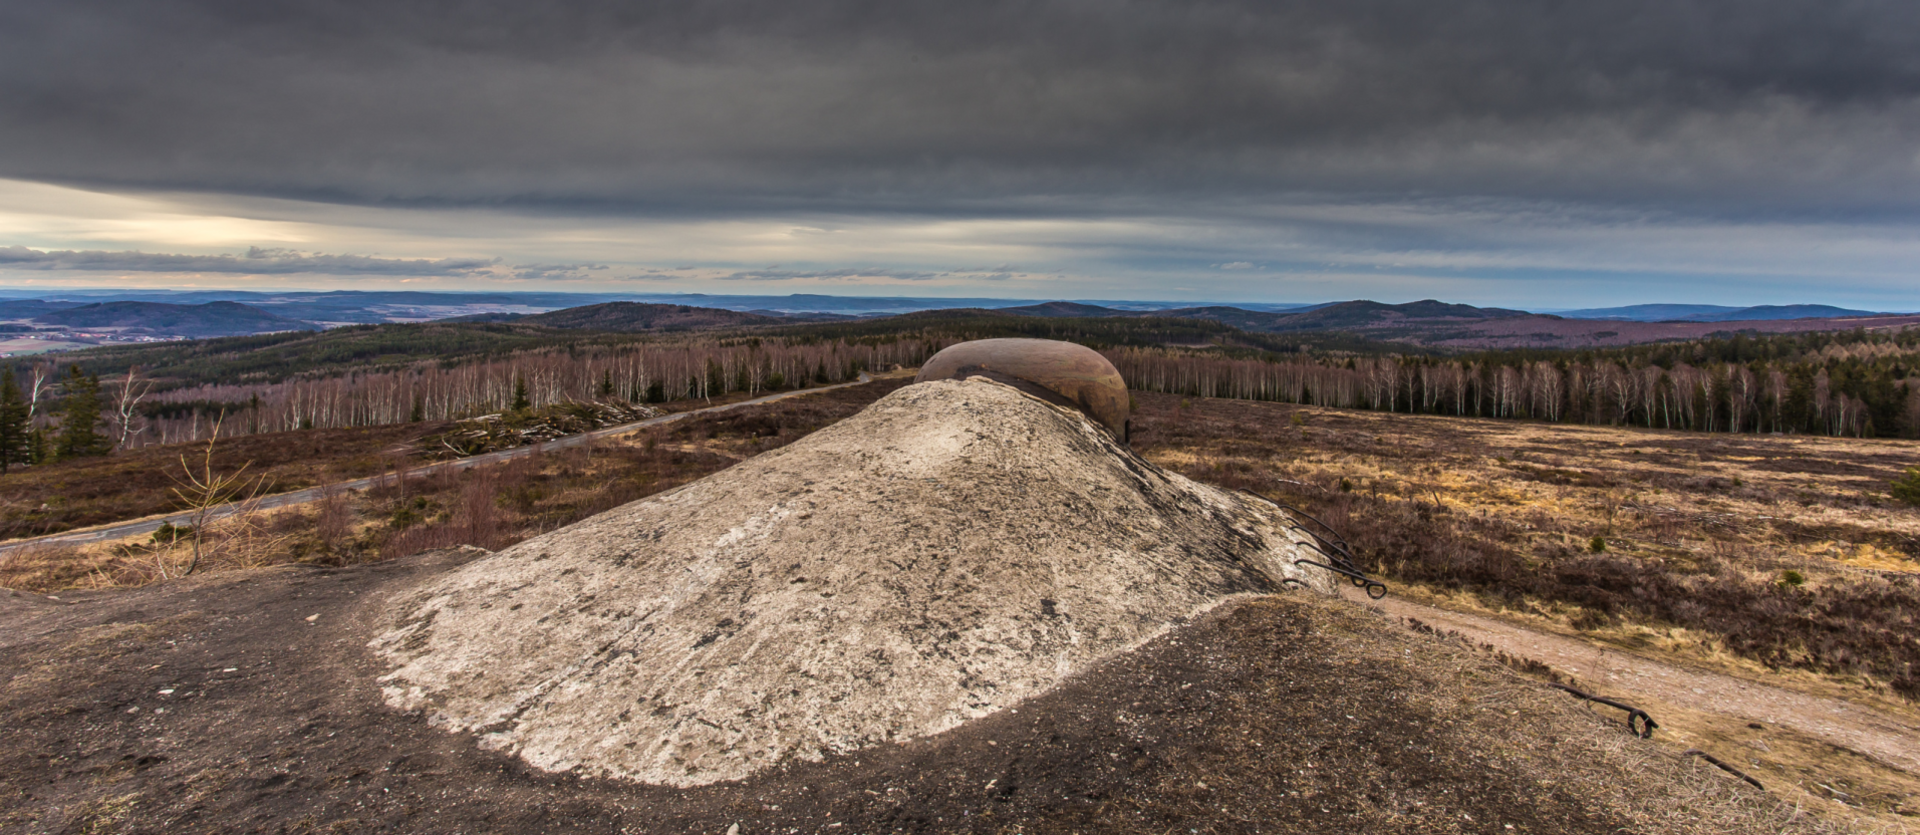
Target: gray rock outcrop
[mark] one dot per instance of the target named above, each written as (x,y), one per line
(957,547)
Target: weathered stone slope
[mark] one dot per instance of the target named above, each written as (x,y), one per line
(952,550)
(245,702)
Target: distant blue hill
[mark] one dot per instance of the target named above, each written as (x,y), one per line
(1713,312)
(373,306)
(1782,311)
(1647,312)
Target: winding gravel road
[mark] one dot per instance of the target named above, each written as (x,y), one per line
(148,525)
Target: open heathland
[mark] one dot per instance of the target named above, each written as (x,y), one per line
(1779,558)
(491,507)
(1786,551)
(130,484)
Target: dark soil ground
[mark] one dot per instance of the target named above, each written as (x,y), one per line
(248,702)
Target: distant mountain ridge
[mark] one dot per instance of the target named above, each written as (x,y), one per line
(639,316)
(162,319)
(29,308)
(1435,324)
(1715,313)
(1335,316)
(1770,312)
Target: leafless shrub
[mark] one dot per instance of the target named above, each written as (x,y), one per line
(333,518)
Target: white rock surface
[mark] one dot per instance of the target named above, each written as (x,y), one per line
(951,550)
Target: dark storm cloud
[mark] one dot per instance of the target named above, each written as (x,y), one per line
(256,261)
(1016,106)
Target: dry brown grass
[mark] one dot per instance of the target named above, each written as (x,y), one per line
(489,507)
(1488,516)
(1700,532)
(1702,535)
(90,491)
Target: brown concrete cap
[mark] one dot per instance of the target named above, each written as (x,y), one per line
(1066,373)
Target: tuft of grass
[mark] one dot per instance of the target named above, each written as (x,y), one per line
(1906,488)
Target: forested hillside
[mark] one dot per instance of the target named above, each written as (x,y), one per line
(1854,383)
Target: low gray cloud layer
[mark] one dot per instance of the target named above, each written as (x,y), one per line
(1030,107)
(256,261)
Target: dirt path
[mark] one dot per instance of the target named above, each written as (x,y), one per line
(1624,676)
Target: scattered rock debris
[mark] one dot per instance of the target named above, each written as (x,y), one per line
(507,430)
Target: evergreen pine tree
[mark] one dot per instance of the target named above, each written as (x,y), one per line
(39,446)
(79,430)
(520,401)
(16,434)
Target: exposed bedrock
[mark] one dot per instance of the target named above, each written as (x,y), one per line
(953,549)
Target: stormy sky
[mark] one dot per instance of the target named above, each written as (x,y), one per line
(1522,152)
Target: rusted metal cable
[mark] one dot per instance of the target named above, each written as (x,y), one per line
(1638,722)
(1695,752)
(1330,549)
(1341,540)
(1375,588)
(1344,567)
(1331,545)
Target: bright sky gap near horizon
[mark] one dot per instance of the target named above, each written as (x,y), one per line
(1498,152)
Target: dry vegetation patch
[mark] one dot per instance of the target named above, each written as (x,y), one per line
(404,512)
(1781,550)
(134,483)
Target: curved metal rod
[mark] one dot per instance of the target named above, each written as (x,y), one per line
(1346,566)
(1312,518)
(1638,722)
(1695,752)
(1375,588)
(1339,552)
(1338,541)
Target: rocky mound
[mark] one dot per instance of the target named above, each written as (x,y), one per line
(247,702)
(953,550)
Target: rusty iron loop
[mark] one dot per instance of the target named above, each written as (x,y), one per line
(1375,588)
(1639,723)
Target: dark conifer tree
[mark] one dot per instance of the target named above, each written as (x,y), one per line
(80,429)
(520,401)
(16,430)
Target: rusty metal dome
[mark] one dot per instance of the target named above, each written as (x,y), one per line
(1058,372)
